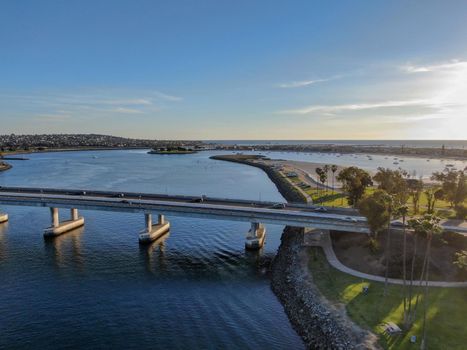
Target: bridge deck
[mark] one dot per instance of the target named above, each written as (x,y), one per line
(215,208)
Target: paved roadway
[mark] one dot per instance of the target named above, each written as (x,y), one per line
(204,207)
(300,215)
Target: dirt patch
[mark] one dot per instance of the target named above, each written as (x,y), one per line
(353,251)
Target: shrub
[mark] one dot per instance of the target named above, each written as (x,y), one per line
(373,245)
(461,212)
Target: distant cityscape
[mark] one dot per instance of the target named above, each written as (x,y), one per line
(14,142)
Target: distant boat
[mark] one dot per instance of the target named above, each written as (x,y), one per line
(450,165)
(395,163)
(427,160)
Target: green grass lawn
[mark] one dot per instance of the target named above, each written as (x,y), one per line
(447,313)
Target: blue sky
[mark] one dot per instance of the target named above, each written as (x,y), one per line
(235,69)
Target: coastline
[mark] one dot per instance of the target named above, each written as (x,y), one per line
(71,149)
(431,153)
(286,189)
(319,324)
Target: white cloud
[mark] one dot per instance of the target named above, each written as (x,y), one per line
(296,84)
(126,110)
(330,109)
(441,67)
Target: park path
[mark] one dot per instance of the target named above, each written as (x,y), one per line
(322,238)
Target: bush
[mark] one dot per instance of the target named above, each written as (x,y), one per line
(373,245)
(461,212)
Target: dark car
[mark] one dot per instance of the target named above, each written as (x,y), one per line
(278,206)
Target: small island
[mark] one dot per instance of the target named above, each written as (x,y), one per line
(4,166)
(172,150)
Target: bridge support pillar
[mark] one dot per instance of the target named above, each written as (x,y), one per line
(3,217)
(153,232)
(256,236)
(57,227)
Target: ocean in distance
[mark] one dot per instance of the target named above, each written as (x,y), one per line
(460,144)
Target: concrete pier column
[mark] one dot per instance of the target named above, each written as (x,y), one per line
(57,227)
(74,214)
(3,217)
(55,217)
(153,232)
(148,219)
(256,236)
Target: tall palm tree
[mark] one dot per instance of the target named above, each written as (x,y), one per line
(319,172)
(333,169)
(389,205)
(429,226)
(403,211)
(326,171)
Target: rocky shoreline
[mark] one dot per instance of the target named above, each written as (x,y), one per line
(320,324)
(289,192)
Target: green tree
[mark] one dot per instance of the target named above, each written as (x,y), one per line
(326,169)
(426,226)
(453,184)
(415,188)
(354,182)
(461,260)
(394,183)
(375,208)
(403,211)
(432,195)
(320,173)
(461,212)
(333,169)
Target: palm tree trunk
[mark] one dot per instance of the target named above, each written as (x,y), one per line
(421,278)
(425,297)
(388,245)
(404,270)
(412,273)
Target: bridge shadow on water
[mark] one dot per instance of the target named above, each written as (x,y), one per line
(66,250)
(160,259)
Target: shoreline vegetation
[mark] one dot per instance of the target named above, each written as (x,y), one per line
(320,325)
(172,150)
(327,307)
(423,152)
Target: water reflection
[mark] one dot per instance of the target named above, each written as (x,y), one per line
(154,255)
(3,241)
(65,250)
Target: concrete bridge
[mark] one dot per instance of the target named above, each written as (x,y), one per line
(256,212)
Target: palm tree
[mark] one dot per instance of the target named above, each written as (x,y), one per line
(389,201)
(333,169)
(319,172)
(326,171)
(428,225)
(403,211)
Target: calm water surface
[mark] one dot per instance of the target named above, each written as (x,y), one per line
(97,288)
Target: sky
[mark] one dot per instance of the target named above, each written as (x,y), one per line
(217,69)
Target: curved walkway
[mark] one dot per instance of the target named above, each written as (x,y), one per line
(321,238)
